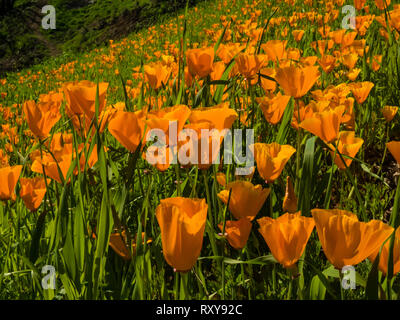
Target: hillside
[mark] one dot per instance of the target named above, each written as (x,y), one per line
(81,25)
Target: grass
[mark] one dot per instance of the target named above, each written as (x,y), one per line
(124,189)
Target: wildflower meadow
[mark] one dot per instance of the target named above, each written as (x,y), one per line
(235,149)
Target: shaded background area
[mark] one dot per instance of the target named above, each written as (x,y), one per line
(80,25)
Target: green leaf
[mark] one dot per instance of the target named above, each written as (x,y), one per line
(317,289)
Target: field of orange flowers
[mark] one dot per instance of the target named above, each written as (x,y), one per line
(86,214)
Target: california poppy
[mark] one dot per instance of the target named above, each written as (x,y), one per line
(348,145)
(249,64)
(32,192)
(40,119)
(182,222)
(126,129)
(275,49)
(344,239)
(271,159)
(286,236)
(156,74)
(221,116)
(81,97)
(237,232)
(246,199)
(9,177)
(297,81)
(389,112)
(361,90)
(323,124)
(273,108)
(394,148)
(200,61)
(384,257)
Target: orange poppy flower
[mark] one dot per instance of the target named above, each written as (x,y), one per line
(349,60)
(246,199)
(297,81)
(389,112)
(298,35)
(345,240)
(40,118)
(126,129)
(228,51)
(218,70)
(286,236)
(361,90)
(3,159)
(156,74)
(182,222)
(353,74)
(290,199)
(266,84)
(237,232)
(32,192)
(163,120)
(271,159)
(275,49)
(221,116)
(382,4)
(324,124)
(81,97)
(9,177)
(249,64)
(194,150)
(394,148)
(200,61)
(348,145)
(327,63)
(384,257)
(273,108)
(359,4)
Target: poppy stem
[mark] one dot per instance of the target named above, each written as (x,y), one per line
(385,150)
(350,177)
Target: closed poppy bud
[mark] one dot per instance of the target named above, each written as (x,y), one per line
(32,192)
(9,177)
(345,240)
(384,257)
(237,232)
(182,222)
(394,148)
(246,199)
(271,159)
(273,108)
(389,112)
(286,236)
(325,125)
(200,61)
(290,200)
(297,81)
(126,129)
(221,178)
